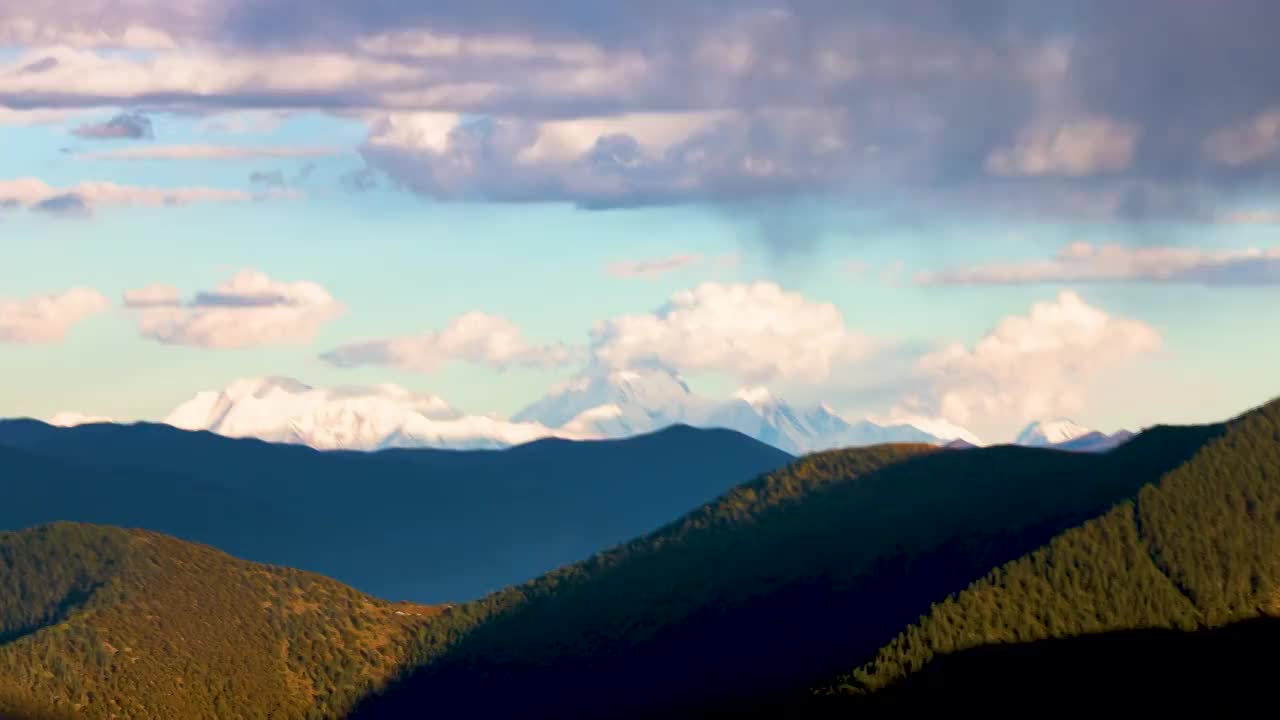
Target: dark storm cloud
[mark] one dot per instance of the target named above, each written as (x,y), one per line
(1135,111)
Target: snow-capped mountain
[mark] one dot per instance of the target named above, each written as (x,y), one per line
(1043,433)
(354,418)
(596,404)
(1063,434)
(618,403)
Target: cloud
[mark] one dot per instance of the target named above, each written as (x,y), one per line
(652,268)
(475,337)
(1082,262)
(1246,143)
(1030,366)
(248,310)
(83,198)
(125,126)
(617,161)
(64,205)
(1077,149)
(210,152)
(756,332)
(45,319)
(1134,111)
(21,118)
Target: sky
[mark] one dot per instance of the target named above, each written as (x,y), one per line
(989,212)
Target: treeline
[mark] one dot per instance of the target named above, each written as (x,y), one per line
(1199,550)
(779,583)
(104,622)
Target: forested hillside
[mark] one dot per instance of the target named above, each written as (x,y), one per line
(778,583)
(1196,552)
(99,622)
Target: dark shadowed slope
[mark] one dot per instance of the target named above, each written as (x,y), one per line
(99,622)
(1198,551)
(1154,669)
(773,587)
(425,525)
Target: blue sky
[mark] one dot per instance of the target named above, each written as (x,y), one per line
(870,236)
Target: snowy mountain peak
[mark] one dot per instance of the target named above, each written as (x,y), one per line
(648,398)
(1051,432)
(349,417)
(756,397)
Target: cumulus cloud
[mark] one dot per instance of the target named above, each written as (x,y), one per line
(756,332)
(1083,262)
(1031,366)
(250,309)
(44,319)
(475,337)
(83,198)
(125,126)
(211,152)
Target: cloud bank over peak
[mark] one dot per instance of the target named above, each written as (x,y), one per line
(755,332)
(1031,366)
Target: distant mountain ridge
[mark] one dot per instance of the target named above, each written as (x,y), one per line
(595,405)
(1065,434)
(621,402)
(417,524)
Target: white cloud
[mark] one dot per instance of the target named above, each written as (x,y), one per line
(1078,148)
(35,193)
(757,332)
(31,30)
(10,117)
(196,73)
(1031,366)
(1247,142)
(45,319)
(475,337)
(1083,262)
(247,310)
(210,152)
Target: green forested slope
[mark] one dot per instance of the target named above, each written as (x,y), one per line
(103,622)
(1197,551)
(774,586)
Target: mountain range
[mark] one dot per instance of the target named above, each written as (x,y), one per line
(466,522)
(595,405)
(900,576)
